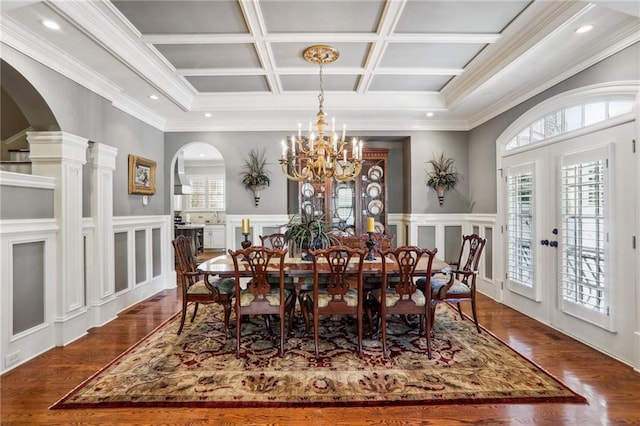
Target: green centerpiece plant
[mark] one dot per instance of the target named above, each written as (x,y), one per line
(307,231)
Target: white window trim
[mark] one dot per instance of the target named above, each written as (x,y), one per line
(584,95)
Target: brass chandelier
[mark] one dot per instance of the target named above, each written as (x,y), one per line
(318,157)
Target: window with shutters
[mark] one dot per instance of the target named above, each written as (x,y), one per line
(520,232)
(208,193)
(583,275)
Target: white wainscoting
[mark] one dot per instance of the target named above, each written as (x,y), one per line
(100,305)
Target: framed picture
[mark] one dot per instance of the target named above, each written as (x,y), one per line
(142,175)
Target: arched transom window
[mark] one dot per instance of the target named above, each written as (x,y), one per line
(569,119)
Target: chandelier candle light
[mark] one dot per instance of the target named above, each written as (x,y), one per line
(318,157)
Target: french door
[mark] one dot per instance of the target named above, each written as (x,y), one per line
(569,213)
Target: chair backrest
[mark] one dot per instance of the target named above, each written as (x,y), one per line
(411,263)
(260,262)
(470,253)
(277,241)
(187,265)
(341,263)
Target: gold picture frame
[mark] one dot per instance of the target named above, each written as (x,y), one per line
(142,175)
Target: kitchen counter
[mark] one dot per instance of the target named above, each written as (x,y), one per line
(191,226)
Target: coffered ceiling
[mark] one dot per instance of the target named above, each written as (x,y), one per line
(240,61)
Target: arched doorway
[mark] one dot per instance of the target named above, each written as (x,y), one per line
(198,195)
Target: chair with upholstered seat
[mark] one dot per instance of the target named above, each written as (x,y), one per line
(401,296)
(261,297)
(459,285)
(198,288)
(337,287)
(382,242)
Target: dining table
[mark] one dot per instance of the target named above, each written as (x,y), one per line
(295,266)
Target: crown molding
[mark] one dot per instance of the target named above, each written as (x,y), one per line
(21,39)
(288,126)
(614,43)
(40,50)
(110,34)
(530,28)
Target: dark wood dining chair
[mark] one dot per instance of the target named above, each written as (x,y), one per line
(261,297)
(337,287)
(459,285)
(382,242)
(402,296)
(276,240)
(198,288)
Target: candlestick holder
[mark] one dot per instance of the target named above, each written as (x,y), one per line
(246,243)
(371,244)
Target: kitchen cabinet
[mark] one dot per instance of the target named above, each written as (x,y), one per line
(347,205)
(214,237)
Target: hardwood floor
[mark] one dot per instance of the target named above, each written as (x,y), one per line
(612,388)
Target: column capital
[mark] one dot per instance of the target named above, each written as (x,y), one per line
(102,156)
(64,147)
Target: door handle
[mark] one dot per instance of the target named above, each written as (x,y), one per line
(544,242)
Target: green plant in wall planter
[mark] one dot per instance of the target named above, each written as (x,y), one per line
(255,176)
(443,176)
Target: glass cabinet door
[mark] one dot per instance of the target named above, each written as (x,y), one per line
(343,215)
(374,197)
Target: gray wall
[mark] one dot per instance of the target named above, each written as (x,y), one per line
(406,172)
(26,203)
(624,65)
(83,113)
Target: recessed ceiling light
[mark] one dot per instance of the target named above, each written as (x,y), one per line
(51,24)
(584,29)
(429,114)
(207,114)
(154,97)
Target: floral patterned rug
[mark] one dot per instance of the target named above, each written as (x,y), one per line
(199,369)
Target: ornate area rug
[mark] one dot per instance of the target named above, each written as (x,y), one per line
(200,369)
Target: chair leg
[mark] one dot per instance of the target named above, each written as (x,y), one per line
(195,311)
(427,328)
(282,328)
(460,311)
(316,327)
(267,321)
(360,331)
(473,311)
(227,315)
(383,333)
(238,332)
(183,317)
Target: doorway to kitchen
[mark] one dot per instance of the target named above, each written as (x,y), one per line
(199,197)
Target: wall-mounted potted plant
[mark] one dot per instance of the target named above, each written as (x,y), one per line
(443,176)
(254,176)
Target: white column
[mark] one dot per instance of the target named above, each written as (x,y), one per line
(61,156)
(101,287)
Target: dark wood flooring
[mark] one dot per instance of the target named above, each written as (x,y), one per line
(612,388)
